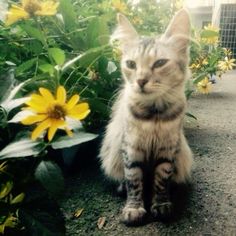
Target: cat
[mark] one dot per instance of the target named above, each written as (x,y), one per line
(145,134)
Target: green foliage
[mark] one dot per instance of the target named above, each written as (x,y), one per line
(21,148)
(66,142)
(50,176)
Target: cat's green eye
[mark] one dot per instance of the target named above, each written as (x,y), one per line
(131,64)
(159,63)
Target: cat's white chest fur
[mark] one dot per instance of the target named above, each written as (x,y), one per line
(152,135)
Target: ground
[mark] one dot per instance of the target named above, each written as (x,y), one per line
(206,207)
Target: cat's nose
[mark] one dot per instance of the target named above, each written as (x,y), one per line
(142,82)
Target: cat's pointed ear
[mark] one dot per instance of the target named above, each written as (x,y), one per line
(125,32)
(180,24)
(178,31)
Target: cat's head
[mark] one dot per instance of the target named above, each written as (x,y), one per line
(154,64)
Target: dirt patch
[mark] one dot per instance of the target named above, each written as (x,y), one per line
(206,207)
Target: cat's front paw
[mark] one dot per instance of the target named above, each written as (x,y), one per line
(133,216)
(162,210)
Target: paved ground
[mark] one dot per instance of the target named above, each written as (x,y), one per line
(207,207)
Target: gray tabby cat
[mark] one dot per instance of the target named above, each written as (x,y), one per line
(145,134)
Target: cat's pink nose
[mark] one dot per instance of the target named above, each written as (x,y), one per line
(142,82)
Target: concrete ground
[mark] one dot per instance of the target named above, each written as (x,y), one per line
(206,207)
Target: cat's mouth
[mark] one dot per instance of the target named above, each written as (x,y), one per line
(144,91)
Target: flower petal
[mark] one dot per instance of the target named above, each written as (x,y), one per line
(79,111)
(54,126)
(40,128)
(61,95)
(33,119)
(48,8)
(15,14)
(46,94)
(69,132)
(39,99)
(36,107)
(72,102)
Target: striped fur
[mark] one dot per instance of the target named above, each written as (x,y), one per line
(145,134)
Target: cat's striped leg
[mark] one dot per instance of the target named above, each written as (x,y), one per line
(161,205)
(134,211)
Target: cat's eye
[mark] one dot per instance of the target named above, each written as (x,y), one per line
(159,63)
(131,64)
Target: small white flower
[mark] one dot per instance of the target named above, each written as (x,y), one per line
(111,67)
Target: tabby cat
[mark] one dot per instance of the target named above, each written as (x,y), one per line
(145,135)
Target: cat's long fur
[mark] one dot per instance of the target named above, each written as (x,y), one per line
(145,133)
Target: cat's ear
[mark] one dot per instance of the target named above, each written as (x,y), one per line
(125,32)
(178,31)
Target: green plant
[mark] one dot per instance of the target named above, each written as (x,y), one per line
(208,59)
(48,52)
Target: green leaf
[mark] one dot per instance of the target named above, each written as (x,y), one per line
(9,103)
(36,47)
(22,148)
(25,66)
(97,33)
(191,115)
(42,220)
(34,32)
(188,93)
(14,103)
(99,106)
(57,55)
(5,189)
(88,55)
(11,222)
(50,176)
(77,138)
(67,10)
(88,58)
(47,68)
(19,198)
(200,77)
(6,84)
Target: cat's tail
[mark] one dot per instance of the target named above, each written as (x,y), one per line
(183,163)
(110,153)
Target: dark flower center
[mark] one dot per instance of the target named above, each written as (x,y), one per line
(57,112)
(32,7)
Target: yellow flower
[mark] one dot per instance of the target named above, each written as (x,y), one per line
(119,6)
(195,66)
(52,113)
(212,39)
(227,64)
(31,8)
(93,75)
(227,51)
(204,86)
(179,4)
(211,28)
(117,53)
(137,20)
(204,61)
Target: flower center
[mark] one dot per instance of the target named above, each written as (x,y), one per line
(57,112)
(32,6)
